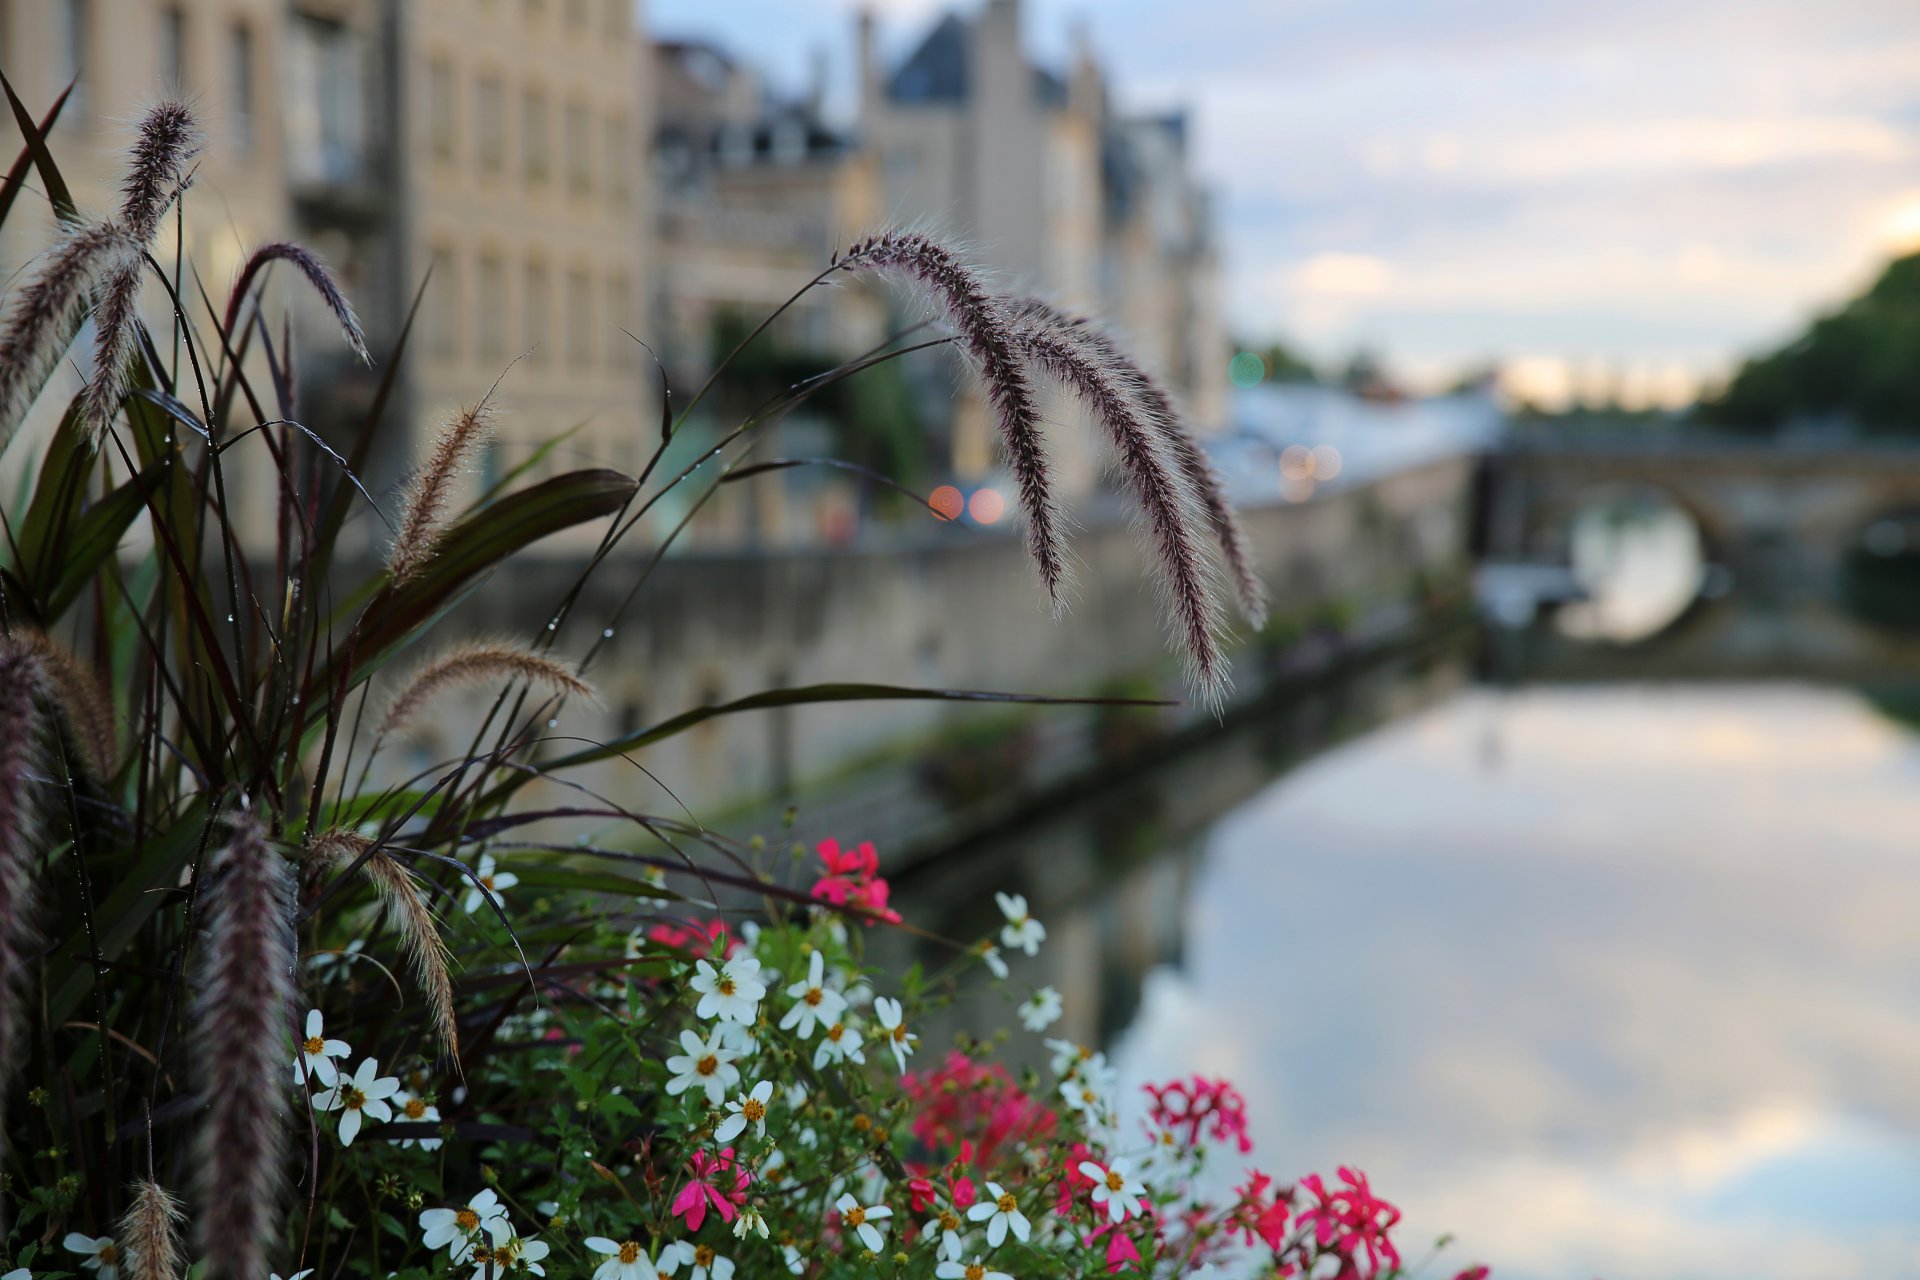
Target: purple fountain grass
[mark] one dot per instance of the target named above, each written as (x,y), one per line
(86,708)
(22,680)
(46,311)
(240,1022)
(1166,505)
(1184,449)
(984,335)
(425,501)
(150,1234)
(167,139)
(477,663)
(310,266)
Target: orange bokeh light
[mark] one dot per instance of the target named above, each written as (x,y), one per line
(947,502)
(986,506)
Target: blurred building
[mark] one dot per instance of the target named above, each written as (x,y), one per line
(498,141)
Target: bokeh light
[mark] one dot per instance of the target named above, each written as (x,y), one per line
(1296,462)
(1247,370)
(986,506)
(1326,462)
(947,502)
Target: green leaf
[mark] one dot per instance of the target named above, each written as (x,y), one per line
(93,539)
(56,186)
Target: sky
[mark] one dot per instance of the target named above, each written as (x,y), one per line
(1627,193)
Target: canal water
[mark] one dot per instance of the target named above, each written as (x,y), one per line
(1610,978)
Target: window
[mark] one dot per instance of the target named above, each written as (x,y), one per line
(619,162)
(173,49)
(579,319)
(240,71)
(75,36)
(490,123)
(579,150)
(440,108)
(620,347)
(538,305)
(442,308)
(536,143)
(490,302)
(323,101)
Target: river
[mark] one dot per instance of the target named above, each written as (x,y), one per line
(1608,978)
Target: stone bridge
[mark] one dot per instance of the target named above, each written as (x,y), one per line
(1782,516)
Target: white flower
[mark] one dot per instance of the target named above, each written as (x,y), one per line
(749,1222)
(732,992)
(1021,930)
(1066,1054)
(795,1263)
(626,1260)
(839,1043)
(899,1039)
(974,1270)
(706,1063)
(460,1229)
(1041,1010)
(100,1253)
(417,1111)
(1115,1187)
(747,1109)
(708,1265)
(359,1097)
(21,1273)
(521,1253)
(275,1275)
(317,1053)
(1086,1097)
(1001,1214)
(991,954)
(945,1232)
(859,1220)
(814,1001)
(491,880)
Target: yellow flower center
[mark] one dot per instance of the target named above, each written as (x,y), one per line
(854,1216)
(975,1271)
(707,1065)
(629,1252)
(108,1255)
(726,986)
(415,1108)
(703,1256)
(487,881)
(353,1099)
(834,1032)
(949,1220)
(753,1111)
(314,1046)
(1006,1203)
(1115,1181)
(813,996)
(467,1220)
(900,1033)
(1089,1097)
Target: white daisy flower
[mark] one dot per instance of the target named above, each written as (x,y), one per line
(626,1260)
(1115,1187)
(859,1220)
(1021,930)
(747,1109)
(518,1254)
(815,1003)
(1086,1097)
(1065,1055)
(736,1037)
(732,992)
(944,1231)
(317,1053)
(272,1275)
(899,1039)
(974,1270)
(838,1043)
(791,1256)
(491,880)
(1041,1010)
(99,1254)
(708,1265)
(417,1111)
(21,1273)
(359,1098)
(991,955)
(1001,1212)
(462,1230)
(707,1064)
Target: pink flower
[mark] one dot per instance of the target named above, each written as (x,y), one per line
(698,940)
(1351,1223)
(716,1181)
(1480,1272)
(1185,1108)
(1121,1251)
(852,879)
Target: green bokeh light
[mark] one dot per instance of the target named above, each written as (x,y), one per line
(1247,370)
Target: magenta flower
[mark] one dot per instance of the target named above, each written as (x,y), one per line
(714,1181)
(1351,1223)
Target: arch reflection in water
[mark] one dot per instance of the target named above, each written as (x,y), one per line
(1640,560)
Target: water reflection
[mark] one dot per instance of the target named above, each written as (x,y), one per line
(1609,981)
(1639,560)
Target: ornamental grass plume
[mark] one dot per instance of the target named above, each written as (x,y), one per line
(22,679)
(428,492)
(48,309)
(478,663)
(150,1234)
(84,705)
(404,896)
(1108,390)
(309,265)
(244,993)
(986,337)
(1181,445)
